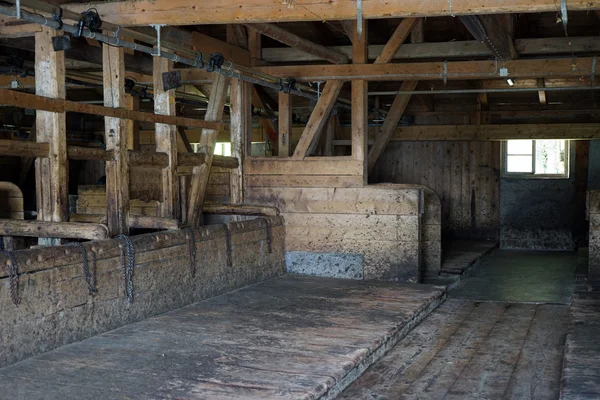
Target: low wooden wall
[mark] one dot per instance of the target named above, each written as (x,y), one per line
(593,208)
(431,228)
(55,305)
(372,232)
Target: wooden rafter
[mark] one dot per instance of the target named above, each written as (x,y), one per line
(494,32)
(281,35)
(26,100)
(398,37)
(318,117)
(456,70)
(400,100)
(447,50)
(192,12)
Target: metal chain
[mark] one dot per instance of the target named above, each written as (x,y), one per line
(192,250)
(89,274)
(269,235)
(127,265)
(13,273)
(228,244)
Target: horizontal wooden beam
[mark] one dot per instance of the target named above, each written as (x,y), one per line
(26,100)
(498,132)
(452,70)
(446,50)
(281,35)
(240,209)
(137,158)
(193,12)
(147,222)
(65,230)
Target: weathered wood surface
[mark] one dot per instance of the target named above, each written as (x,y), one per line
(581,371)
(469,349)
(56,307)
(11,207)
(380,223)
(593,207)
(458,256)
(465,175)
(51,229)
(286,338)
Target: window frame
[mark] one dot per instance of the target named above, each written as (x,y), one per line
(533,175)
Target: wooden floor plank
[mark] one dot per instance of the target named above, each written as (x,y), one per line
(287,338)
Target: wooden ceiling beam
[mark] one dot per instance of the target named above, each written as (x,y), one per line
(455,70)
(494,33)
(281,35)
(398,37)
(447,50)
(192,12)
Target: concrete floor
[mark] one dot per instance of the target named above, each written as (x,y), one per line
(501,335)
(288,338)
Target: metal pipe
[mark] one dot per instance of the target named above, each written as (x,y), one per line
(115,41)
(496,90)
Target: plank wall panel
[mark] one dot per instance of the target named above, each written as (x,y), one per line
(465,175)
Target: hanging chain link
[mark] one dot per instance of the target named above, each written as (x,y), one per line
(192,250)
(89,274)
(269,235)
(228,244)
(13,273)
(127,265)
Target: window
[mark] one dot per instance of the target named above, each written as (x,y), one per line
(536,158)
(221,148)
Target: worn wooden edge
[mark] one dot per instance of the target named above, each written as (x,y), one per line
(383,346)
(43,258)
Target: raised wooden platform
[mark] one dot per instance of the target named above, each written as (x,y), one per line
(460,255)
(291,337)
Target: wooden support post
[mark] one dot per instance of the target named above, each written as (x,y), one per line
(285,124)
(255,48)
(51,173)
(238,127)
(132,127)
(360,103)
(318,118)
(200,174)
(166,139)
(115,137)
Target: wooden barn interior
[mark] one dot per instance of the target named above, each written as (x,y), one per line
(300,199)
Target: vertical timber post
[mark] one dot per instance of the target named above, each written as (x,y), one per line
(51,173)
(237,129)
(115,137)
(166,139)
(285,124)
(360,134)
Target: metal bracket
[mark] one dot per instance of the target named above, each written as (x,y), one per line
(359,18)
(503,72)
(157,28)
(563,15)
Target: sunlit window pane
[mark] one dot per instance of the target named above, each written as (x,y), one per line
(519,163)
(519,147)
(223,149)
(549,157)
